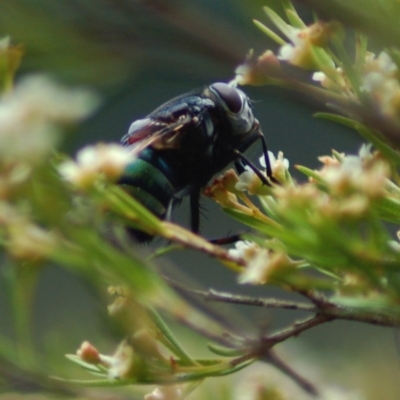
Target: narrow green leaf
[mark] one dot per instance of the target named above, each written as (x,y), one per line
(285,28)
(93,368)
(389,209)
(276,38)
(288,6)
(163,327)
(261,226)
(294,18)
(361,50)
(347,65)
(310,173)
(223,351)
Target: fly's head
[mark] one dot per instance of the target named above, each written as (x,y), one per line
(241,126)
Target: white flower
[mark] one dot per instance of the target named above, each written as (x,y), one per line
(257,259)
(256,272)
(262,264)
(279,165)
(165,393)
(40,97)
(29,241)
(318,76)
(394,244)
(122,362)
(257,71)
(356,173)
(353,166)
(337,393)
(292,51)
(30,117)
(4,43)
(276,162)
(250,182)
(300,51)
(365,153)
(244,249)
(336,81)
(380,80)
(106,160)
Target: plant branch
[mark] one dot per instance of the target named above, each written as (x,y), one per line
(224,297)
(321,305)
(297,328)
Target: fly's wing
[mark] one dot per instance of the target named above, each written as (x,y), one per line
(152,132)
(164,127)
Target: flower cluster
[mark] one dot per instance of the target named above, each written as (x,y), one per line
(365,174)
(333,205)
(380,79)
(262,265)
(102,161)
(303,47)
(364,78)
(250,182)
(24,239)
(300,51)
(32,115)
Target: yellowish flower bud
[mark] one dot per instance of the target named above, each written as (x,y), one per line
(30,242)
(259,71)
(221,195)
(88,353)
(171,392)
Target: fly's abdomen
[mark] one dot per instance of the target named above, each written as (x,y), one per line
(149,179)
(149,185)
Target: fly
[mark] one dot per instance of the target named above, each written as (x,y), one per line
(182,144)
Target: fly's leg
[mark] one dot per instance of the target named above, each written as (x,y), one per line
(227,239)
(169,211)
(243,161)
(195,221)
(195,211)
(268,167)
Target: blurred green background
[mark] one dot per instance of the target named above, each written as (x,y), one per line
(138,54)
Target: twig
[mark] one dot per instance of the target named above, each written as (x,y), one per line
(261,348)
(290,372)
(321,305)
(213,295)
(316,298)
(297,328)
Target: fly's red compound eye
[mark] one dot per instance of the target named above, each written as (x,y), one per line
(229,95)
